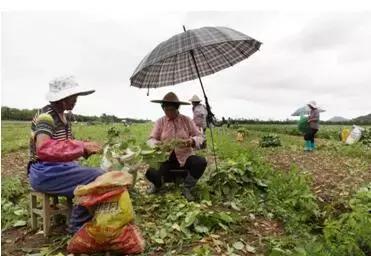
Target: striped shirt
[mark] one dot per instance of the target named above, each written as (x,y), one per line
(47,121)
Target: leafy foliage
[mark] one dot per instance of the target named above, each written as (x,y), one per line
(270,140)
(242,186)
(234,179)
(14,203)
(290,198)
(350,234)
(366,137)
(170,219)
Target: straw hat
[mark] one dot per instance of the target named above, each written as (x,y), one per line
(195,98)
(171,98)
(63,87)
(312,104)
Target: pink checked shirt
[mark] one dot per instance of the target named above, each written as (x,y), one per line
(181,127)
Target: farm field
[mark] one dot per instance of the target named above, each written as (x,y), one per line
(260,201)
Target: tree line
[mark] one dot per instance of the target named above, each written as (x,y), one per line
(16,114)
(8,113)
(357,121)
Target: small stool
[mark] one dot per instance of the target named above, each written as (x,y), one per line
(50,207)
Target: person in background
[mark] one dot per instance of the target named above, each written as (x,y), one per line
(52,167)
(175,126)
(313,120)
(199,116)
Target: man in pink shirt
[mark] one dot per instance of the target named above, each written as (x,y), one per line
(175,126)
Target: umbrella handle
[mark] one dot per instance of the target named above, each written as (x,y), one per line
(210,114)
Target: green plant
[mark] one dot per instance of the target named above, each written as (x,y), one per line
(14,202)
(343,235)
(290,198)
(366,137)
(350,234)
(234,179)
(173,221)
(270,140)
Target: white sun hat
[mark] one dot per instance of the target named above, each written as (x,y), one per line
(312,104)
(195,98)
(65,86)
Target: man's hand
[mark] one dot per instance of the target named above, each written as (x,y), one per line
(91,148)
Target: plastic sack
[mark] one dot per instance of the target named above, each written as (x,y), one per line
(93,199)
(111,216)
(104,183)
(240,137)
(111,228)
(344,133)
(303,125)
(129,241)
(355,135)
(60,150)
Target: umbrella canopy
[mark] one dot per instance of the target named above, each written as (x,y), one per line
(209,49)
(304,111)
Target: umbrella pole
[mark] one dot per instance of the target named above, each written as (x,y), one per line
(207,107)
(207,104)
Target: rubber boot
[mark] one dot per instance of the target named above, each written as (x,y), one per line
(307,145)
(189,183)
(312,146)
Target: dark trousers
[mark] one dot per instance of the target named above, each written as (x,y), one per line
(309,135)
(194,166)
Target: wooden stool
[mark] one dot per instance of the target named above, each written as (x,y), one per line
(50,207)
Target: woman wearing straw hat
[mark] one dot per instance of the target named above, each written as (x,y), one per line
(199,116)
(53,150)
(175,126)
(313,121)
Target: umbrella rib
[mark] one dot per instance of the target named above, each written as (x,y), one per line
(174,67)
(158,78)
(216,47)
(246,54)
(211,68)
(193,64)
(237,48)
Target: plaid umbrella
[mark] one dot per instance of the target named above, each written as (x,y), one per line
(208,49)
(304,111)
(193,54)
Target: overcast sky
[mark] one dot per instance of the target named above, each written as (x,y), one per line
(322,56)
